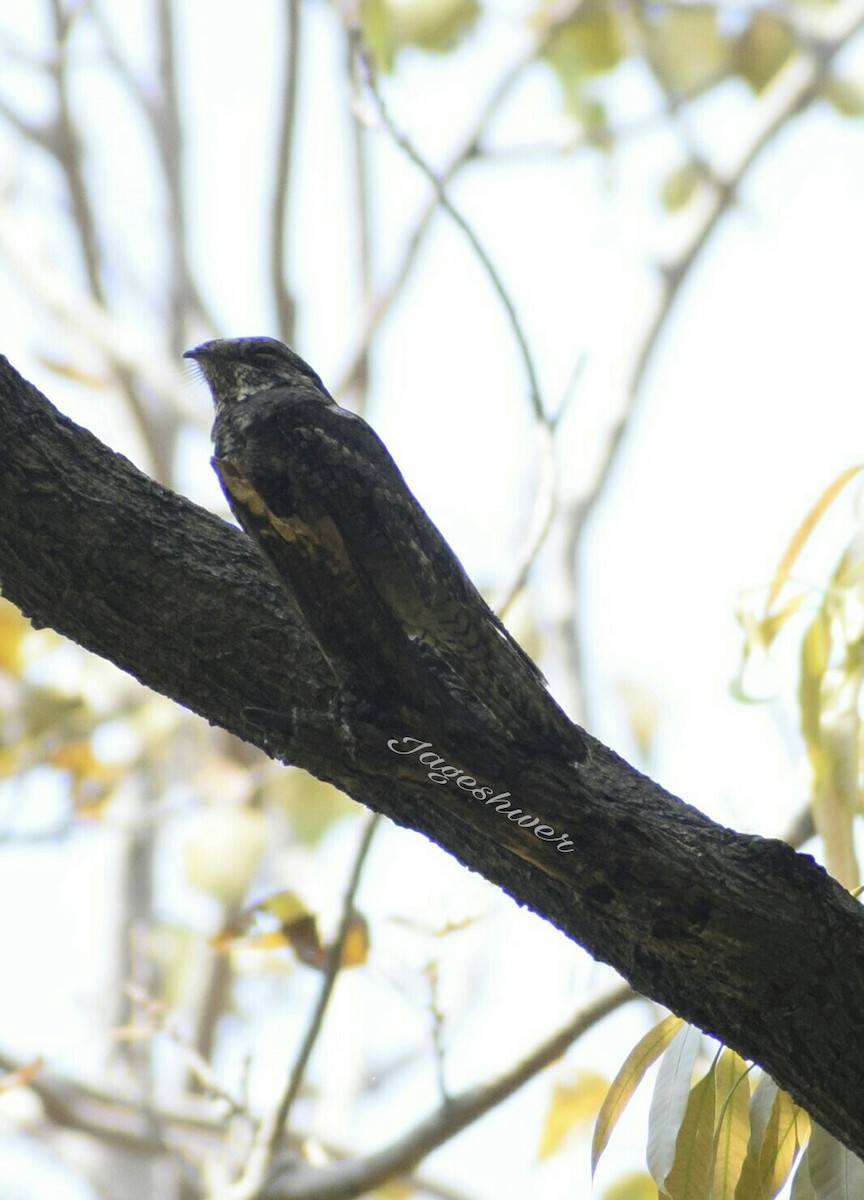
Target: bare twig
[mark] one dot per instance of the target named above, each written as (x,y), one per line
(797,86)
(401,139)
(286,308)
(341,1181)
(184,298)
(334,963)
(271,1130)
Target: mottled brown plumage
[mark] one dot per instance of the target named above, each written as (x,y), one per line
(315,486)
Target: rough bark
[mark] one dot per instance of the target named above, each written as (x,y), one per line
(738,934)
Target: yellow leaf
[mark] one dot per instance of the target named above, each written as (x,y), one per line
(815,654)
(646,1052)
(570,1105)
(779,1145)
(691,1171)
(270,939)
(732,1084)
(355,952)
(284,906)
(802,533)
(837,799)
(13,626)
(635,1185)
(77,757)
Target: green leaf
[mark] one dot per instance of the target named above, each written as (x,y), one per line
(669,1102)
(680,187)
(643,1055)
(686,48)
(763,50)
(432,25)
(590,43)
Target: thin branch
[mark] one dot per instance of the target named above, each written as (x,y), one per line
(115,1120)
(271,1131)
(796,87)
(467,151)
(280,223)
(334,964)
(358,382)
(69,154)
(164,113)
(122,345)
(401,139)
(546,499)
(161,111)
(341,1181)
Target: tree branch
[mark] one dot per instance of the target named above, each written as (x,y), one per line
(740,935)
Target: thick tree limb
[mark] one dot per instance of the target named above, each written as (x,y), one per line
(740,935)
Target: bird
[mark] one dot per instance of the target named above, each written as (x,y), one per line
(383,594)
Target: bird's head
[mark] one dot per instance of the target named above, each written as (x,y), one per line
(236,368)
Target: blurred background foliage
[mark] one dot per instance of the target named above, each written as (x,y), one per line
(375,185)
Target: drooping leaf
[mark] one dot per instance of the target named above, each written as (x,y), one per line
(815,656)
(779,1145)
(835,1172)
(802,1186)
(731,1080)
(804,530)
(836,798)
(669,1102)
(643,1055)
(761,1105)
(690,1176)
